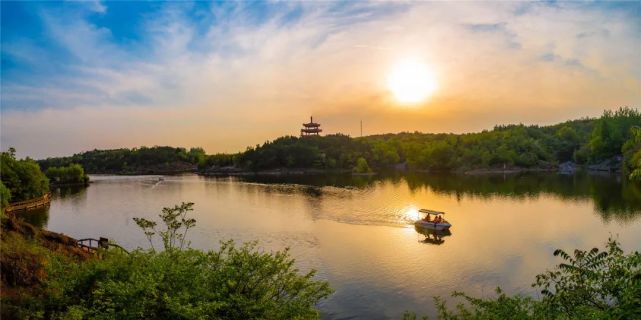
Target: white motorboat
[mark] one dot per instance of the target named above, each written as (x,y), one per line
(436,223)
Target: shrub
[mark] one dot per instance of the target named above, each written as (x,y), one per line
(5,196)
(22,177)
(590,284)
(71,174)
(361,166)
(233,282)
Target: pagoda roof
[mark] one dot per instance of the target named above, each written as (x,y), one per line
(311,124)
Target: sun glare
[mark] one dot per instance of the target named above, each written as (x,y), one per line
(411,82)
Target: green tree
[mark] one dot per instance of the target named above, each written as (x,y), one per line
(176,226)
(362,166)
(5,196)
(71,174)
(233,282)
(22,177)
(611,132)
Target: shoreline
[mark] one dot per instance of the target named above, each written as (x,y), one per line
(237,172)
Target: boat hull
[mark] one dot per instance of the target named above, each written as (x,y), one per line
(433,226)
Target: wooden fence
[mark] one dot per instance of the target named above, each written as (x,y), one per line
(29,204)
(96,245)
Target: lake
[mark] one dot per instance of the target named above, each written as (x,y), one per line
(357,231)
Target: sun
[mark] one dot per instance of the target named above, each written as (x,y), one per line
(411,82)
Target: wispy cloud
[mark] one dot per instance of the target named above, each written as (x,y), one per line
(192,73)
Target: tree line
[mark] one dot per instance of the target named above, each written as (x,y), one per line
(584,142)
(613,140)
(156,159)
(22,179)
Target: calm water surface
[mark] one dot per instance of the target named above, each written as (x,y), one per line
(357,231)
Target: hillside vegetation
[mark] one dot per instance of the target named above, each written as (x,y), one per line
(584,141)
(20,179)
(611,142)
(143,160)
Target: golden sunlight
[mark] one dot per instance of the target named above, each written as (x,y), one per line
(410,214)
(411,82)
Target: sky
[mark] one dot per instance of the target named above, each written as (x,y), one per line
(79,76)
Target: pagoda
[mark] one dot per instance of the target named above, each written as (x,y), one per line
(310,129)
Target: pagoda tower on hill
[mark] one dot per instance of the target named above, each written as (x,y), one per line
(310,129)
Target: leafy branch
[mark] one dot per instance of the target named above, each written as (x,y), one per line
(176,226)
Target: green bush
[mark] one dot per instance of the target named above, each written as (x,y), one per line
(71,174)
(590,284)
(5,196)
(230,283)
(362,166)
(233,282)
(22,177)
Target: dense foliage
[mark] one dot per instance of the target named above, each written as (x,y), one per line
(71,174)
(604,141)
(328,152)
(590,284)
(632,154)
(5,196)
(585,141)
(176,227)
(22,178)
(137,160)
(230,283)
(233,282)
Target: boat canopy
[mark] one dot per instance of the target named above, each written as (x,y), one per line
(431,211)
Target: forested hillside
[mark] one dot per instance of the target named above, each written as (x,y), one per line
(610,142)
(132,161)
(584,141)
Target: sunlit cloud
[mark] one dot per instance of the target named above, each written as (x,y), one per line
(228,75)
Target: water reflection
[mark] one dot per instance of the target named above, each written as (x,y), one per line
(411,214)
(68,192)
(613,198)
(39,217)
(433,236)
(358,232)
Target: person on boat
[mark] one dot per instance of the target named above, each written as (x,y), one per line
(438,219)
(427,218)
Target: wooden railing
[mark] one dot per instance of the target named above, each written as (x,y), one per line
(96,245)
(29,204)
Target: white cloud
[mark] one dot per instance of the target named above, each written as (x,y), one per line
(240,82)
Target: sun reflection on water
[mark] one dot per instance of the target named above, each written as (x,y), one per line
(410,214)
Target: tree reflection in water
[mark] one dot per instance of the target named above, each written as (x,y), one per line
(614,198)
(39,217)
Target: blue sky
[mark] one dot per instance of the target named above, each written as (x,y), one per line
(84,75)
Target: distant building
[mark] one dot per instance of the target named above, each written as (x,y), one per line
(310,129)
